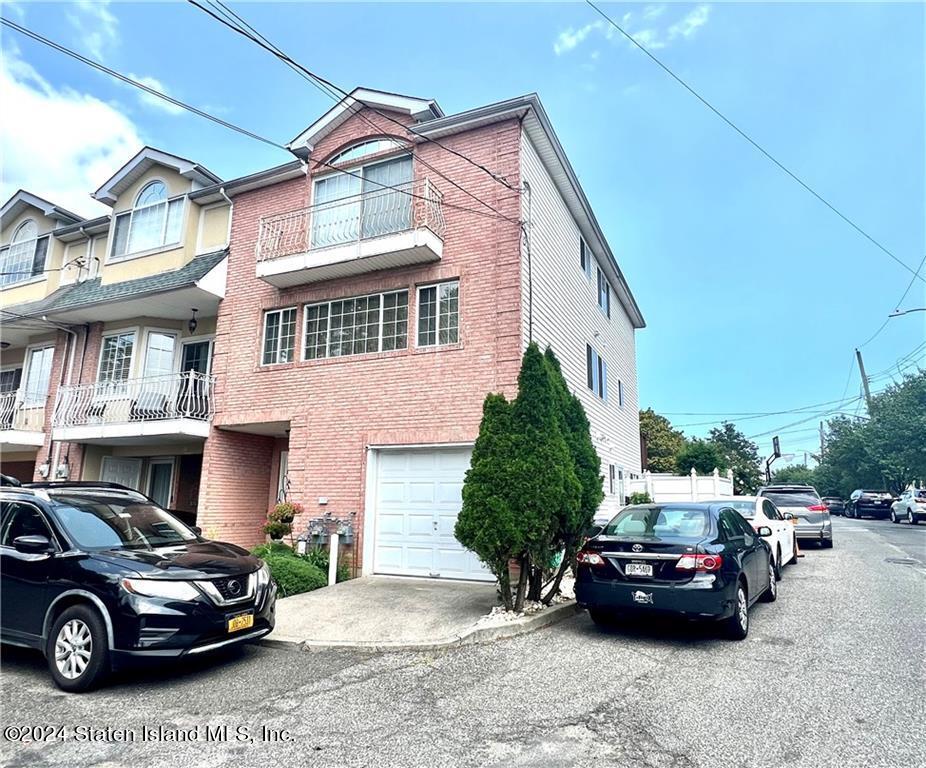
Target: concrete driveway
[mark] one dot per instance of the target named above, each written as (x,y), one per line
(383,611)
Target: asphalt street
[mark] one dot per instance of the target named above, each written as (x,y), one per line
(832,674)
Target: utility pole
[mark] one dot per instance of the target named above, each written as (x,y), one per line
(861,368)
(821,441)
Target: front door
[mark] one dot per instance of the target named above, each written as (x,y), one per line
(161,481)
(195,356)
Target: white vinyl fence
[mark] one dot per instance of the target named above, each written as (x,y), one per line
(663,487)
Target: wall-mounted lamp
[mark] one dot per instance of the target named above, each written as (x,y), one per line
(4,345)
(191,326)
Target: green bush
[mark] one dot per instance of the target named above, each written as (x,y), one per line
(319,557)
(294,575)
(640,498)
(264,551)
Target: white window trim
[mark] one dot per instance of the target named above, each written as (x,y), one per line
(27,366)
(437,344)
(263,336)
(583,246)
(382,294)
(599,371)
(599,279)
(133,362)
(210,337)
(111,258)
(175,363)
(397,147)
(27,276)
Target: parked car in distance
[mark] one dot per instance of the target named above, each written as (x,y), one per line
(762,513)
(95,577)
(864,503)
(804,504)
(695,560)
(835,505)
(911,506)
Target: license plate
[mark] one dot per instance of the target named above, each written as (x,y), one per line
(638,569)
(241,621)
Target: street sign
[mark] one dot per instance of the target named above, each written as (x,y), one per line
(776,447)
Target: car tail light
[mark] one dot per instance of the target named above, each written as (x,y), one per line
(589,558)
(817,508)
(699,563)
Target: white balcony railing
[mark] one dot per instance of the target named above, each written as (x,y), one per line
(351,219)
(22,411)
(187,395)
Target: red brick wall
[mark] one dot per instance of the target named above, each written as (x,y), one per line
(336,407)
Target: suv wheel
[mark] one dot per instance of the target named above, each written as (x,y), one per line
(76,649)
(737,626)
(911,518)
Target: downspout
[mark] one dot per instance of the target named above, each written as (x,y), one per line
(55,455)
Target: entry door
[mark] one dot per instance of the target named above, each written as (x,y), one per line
(195,356)
(418,499)
(123,471)
(161,481)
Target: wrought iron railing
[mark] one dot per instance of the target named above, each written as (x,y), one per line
(22,410)
(385,211)
(187,395)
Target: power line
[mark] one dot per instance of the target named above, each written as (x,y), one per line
(910,284)
(284,57)
(112,73)
(237,23)
(758,415)
(753,142)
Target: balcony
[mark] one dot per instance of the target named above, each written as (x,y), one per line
(382,229)
(22,421)
(173,407)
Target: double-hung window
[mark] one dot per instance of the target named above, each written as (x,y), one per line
(38,376)
(596,372)
(153,222)
(25,257)
(374,323)
(620,393)
(439,314)
(604,293)
(116,362)
(585,257)
(279,336)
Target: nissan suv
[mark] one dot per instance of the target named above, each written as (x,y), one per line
(96,575)
(803,505)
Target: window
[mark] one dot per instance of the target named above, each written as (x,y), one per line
(620,393)
(771,511)
(604,293)
(365,148)
(362,204)
(374,323)
(159,354)
(38,376)
(25,257)
(116,358)
(9,379)
(154,222)
(661,522)
(20,519)
(585,258)
(439,314)
(279,336)
(596,372)
(612,477)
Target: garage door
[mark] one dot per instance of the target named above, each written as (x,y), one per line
(418,498)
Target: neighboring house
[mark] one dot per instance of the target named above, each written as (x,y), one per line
(106,374)
(364,324)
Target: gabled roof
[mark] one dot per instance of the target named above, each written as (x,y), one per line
(147,157)
(538,128)
(418,109)
(22,200)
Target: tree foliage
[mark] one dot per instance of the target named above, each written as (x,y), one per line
(663,442)
(794,474)
(702,456)
(740,454)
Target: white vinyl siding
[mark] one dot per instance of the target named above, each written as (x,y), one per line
(566,315)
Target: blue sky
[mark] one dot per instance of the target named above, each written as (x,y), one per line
(754,293)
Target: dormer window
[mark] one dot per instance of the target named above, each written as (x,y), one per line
(154,222)
(25,257)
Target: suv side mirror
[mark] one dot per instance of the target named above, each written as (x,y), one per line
(764,530)
(197,530)
(32,545)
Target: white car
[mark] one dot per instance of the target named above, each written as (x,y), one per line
(760,511)
(911,506)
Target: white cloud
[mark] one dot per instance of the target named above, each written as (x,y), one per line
(62,144)
(644,27)
(690,24)
(150,99)
(96,26)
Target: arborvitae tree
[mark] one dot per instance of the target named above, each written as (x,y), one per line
(541,474)
(487,524)
(573,522)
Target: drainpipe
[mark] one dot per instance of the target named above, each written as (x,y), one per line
(69,354)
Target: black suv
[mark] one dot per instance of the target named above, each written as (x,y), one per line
(95,575)
(864,503)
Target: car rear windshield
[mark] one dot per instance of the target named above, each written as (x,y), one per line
(118,521)
(661,522)
(792,498)
(920,494)
(746,508)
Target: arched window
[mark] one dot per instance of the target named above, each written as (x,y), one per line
(154,222)
(365,148)
(25,258)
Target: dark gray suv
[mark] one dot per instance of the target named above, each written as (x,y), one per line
(804,505)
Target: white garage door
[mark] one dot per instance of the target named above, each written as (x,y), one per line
(418,498)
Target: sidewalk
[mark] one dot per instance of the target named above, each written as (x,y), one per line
(391,613)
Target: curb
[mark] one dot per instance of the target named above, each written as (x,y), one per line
(472,636)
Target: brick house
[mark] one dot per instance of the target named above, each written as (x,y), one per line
(371,305)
